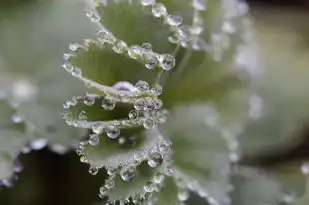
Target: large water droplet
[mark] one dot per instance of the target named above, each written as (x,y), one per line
(149,104)
(113,132)
(155,159)
(167,61)
(174,19)
(128,173)
(108,104)
(158,10)
(133,114)
(94,140)
(151,62)
(93,170)
(147,46)
(97,128)
(120,47)
(139,104)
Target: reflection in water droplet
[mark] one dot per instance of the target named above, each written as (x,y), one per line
(94,140)
(155,159)
(108,104)
(113,132)
(167,61)
(147,2)
(199,4)
(128,173)
(93,170)
(38,144)
(174,19)
(158,10)
(149,187)
(120,47)
(16,118)
(183,195)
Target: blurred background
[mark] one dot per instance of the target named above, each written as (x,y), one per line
(48,178)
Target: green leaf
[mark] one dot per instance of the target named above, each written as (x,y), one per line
(14,133)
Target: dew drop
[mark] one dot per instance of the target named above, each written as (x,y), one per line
(67,66)
(164,146)
(167,61)
(139,104)
(151,62)
(149,104)
(134,52)
(16,118)
(168,171)
(74,46)
(199,5)
(158,10)
(97,128)
(93,17)
(147,46)
(142,86)
(89,100)
(111,171)
(38,144)
(174,19)
(158,104)
(120,47)
(94,140)
(173,39)
(128,173)
(76,72)
(79,152)
(157,89)
(155,159)
(148,2)
(183,195)
(109,184)
(148,123)
(82,115)
(83,159)
(103,190)
(149,187)
(108,104)
(159,178)
(106,36)
(133,114)
(93,170)
(113,132)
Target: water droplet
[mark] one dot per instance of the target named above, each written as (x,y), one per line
(89,100)
(148,2)
(149,104)
(167,61)
(168,171)
(183,195)
(93,170)
(83,159)
(120,47)
(97,128)
(108,104)
(106,36)
(79,152)
(67,56)
(111,171)
(82,115)
(173,39)
(94,140)
(158,104)
(147,46)
(155,159)
(164,146)
(109,184)
(134,52)
(139,104)
(103,190)
(128,173)
(74,46)
(174,19)
(38,144)
(159,178)
(305,168)
(113,132)
(151,62)
(76,72)
(199,5)
(149,187)
(148,123)
(92,16)
(142,86)
(133,114)
(162,116)
(16,118)
(157,89)
(158,10)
